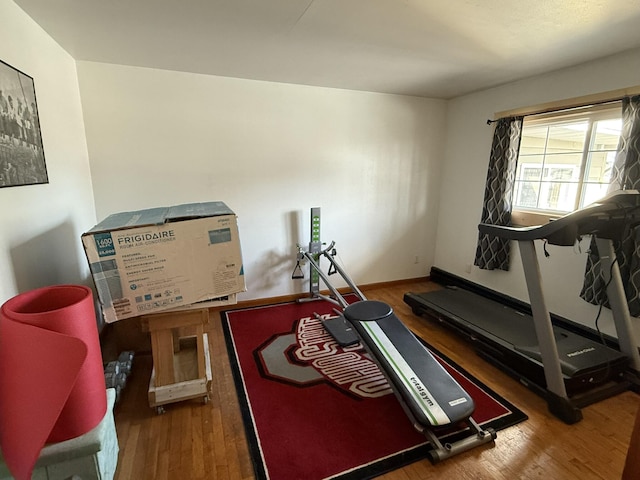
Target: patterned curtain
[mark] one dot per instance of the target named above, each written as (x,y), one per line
(492,252)
(625,176)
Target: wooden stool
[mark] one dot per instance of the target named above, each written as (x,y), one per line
(181,359)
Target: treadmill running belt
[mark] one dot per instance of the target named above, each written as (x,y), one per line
(512,333)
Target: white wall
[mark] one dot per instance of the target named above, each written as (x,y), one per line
(464,174)
(272,151)
(380,167)
(41,224)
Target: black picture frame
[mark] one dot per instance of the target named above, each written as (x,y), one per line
(21,152)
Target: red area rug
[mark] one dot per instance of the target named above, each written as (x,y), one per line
(314,410)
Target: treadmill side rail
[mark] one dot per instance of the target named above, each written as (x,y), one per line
(542,320)
(618,301)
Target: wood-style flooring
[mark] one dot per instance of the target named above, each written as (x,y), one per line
(196,441)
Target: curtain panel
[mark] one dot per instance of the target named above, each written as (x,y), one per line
(492,252)
(625,176)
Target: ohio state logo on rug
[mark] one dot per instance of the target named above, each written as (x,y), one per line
(308,355)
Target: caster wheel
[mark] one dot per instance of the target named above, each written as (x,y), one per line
(160,410)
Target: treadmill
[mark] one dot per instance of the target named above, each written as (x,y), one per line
(569,370)
(506,337)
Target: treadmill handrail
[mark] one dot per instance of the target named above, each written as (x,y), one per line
(607,218)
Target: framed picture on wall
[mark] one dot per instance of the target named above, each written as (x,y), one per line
(21,153)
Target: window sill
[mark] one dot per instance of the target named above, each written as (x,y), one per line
(524,218)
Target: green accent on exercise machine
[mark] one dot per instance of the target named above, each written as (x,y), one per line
(315,246)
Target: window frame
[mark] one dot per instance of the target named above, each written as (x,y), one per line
(522,216)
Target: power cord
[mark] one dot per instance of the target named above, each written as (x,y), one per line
(606,287)
(625,219)
(601,303)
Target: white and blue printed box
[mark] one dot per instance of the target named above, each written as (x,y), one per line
(164,258)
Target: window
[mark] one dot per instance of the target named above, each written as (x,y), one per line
(565,162)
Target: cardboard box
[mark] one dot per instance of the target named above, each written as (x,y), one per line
(164,258)
(227,300)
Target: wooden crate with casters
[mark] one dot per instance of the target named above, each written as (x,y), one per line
(181,359)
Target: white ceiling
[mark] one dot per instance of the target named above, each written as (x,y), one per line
(431,48)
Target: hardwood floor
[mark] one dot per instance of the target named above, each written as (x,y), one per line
(195,441)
